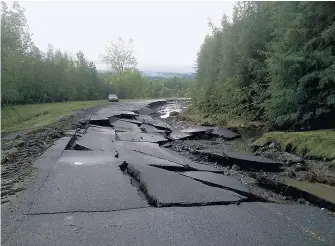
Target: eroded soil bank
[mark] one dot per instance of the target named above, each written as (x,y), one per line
(298,180)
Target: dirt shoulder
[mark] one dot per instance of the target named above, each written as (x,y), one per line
(21,148)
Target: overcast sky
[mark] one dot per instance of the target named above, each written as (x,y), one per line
(167,35)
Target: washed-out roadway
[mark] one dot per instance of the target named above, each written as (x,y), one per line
(113,183)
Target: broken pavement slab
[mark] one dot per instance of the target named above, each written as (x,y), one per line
(103,116)
(317,193)
(123,114)
(138,122)
(247,161)
(166,188)
(225,133)
(219,180)
(120,125)
(154,150)
(151,129)
(86,181)
(143,118)
(198,129)
(140,137)
(131,156)
(212,131)
(323,191)
(97,138)
(178,135)
(157,123)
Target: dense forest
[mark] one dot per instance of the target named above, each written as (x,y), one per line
(274,62)
(29,75)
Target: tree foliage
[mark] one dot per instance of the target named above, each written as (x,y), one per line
(133,85)
(29,75)
(120,56)
(274,62)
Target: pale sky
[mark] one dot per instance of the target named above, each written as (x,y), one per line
(167,35)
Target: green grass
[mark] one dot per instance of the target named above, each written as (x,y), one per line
(318,144)
(38,115)
(217,119)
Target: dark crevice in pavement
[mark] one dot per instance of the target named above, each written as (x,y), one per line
(155,203)
(88,211)
(72,141)
(101,122)
(133,181)
(175,168)
(199,204)
(80,147)
(186,167)
(251,197)
(134,174)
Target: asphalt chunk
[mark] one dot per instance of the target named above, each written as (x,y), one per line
(157,123)
(219,180)
(165,188)
(138,158)
(178,135)
(198,129)
(125,126)
(150,129)
(247,161)
(224,133)
(100,139)
(86,181)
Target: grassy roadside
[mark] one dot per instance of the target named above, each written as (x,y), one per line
(318,144)
(222,120)
(37,115)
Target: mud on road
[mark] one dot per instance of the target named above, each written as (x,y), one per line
(20,149)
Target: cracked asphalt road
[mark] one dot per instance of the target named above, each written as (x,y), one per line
(113,183)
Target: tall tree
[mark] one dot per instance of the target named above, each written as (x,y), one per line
(119,55)
(29,75)
(301,62)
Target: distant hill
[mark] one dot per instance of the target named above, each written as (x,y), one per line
(157,75)
(163,75)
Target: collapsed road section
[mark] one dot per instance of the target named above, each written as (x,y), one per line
(133,134)
(164,177)
(118,181)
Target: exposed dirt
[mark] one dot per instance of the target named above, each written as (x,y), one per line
(20,149)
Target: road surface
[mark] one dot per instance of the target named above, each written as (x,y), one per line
(114,184)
